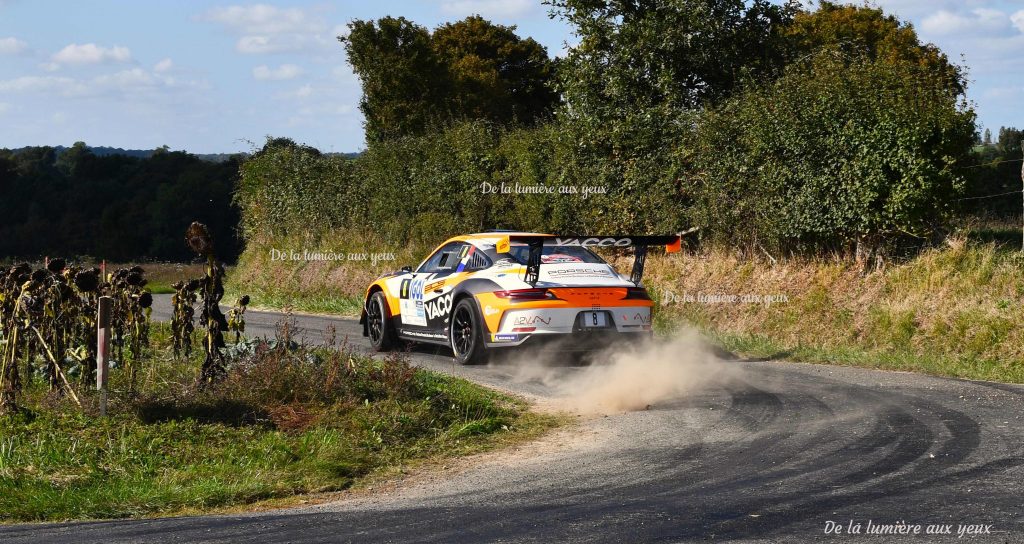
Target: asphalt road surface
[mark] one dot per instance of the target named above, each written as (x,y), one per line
(773,453)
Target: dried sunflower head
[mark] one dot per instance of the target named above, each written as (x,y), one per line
(66,292)
(192,284)
(178,285)
(87,280)
(145,300)
(40,275)
(56,265)
(134,279)
(198,239)
(137,270)
(244,301)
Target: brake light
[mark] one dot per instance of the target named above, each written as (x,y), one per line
(525,294)
(636,293)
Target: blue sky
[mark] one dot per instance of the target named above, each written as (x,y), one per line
(214,76)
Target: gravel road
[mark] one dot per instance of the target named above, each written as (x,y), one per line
(754,451)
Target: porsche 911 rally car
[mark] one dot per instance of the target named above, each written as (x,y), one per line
(479,292)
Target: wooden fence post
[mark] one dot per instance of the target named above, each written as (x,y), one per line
(103,317)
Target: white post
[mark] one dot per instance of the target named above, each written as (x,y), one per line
(103,349)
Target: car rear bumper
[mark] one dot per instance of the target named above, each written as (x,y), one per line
(577,341)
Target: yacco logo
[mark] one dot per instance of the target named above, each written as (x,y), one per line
(590,242)
(490,310)
(439,306)
(531,320)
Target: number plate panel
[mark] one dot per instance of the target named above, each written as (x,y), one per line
(594,319)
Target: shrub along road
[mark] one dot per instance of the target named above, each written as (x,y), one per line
(771,454)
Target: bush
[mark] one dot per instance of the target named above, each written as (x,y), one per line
(835,152)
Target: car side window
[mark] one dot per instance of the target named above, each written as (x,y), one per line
(443,260)
(477,261)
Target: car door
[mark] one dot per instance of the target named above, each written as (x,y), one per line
(422,301)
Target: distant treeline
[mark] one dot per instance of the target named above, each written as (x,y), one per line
(80,202)
(104,151)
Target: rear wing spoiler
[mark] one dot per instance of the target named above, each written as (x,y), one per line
(536,242)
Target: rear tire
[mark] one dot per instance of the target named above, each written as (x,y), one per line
(466,334)
(378,323)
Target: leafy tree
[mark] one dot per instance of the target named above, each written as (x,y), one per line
(834,154)
(1009,142)
(404,82)
(496,75)
(994,185)
(672,54)
(640,73)
(468,70)
(867,30)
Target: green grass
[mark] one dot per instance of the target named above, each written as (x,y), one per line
(284,424)
(316,303)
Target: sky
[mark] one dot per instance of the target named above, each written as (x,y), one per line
(221,76)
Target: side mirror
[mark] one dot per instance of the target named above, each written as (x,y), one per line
(407,269)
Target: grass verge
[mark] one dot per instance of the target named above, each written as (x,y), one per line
(287,420)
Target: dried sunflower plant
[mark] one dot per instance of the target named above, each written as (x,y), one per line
(48,319)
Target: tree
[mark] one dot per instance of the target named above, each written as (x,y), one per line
(1009,144)
(414,81)
(671,54)
(631,87)
(404,82)
(836,153)
(496,75)
(987,141)
(867,30)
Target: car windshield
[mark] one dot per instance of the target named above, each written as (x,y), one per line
(555,254)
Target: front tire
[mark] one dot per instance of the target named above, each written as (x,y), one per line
(378,323)
(466,334)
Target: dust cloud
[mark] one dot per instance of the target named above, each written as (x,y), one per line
(626,379)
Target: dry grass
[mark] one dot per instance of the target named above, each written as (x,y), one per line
(318,285)
(954,310)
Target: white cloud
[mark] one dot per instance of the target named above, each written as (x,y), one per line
(977,21)
(133,81)
(285,71)
(36,84)
(1018,20)
(163,65)
(264,29)
(491,9)
(302,92)
(285,43)
(91,53)
(12,46)
(264,19)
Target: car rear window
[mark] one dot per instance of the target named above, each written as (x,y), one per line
(556,254)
